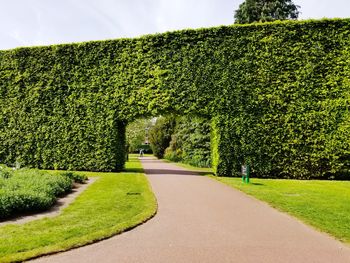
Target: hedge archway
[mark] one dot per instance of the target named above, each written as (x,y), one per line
(278,95)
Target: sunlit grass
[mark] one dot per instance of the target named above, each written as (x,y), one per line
(191,167)
(322,204)
(103,210)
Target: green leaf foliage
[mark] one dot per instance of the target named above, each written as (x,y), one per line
(75,177)
(190,142)
(136,135)
(265,10)
(30,190)
(277,93)
(160,135)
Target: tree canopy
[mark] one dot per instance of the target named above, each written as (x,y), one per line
(160,135)
(136,134)
(265,10)
(190,141)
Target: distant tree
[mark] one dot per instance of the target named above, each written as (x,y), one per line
(190,142)
(136,134)
(265,10)
(160,135)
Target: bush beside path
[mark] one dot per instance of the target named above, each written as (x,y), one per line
(103,210)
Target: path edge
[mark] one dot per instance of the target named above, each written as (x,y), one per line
(99,239)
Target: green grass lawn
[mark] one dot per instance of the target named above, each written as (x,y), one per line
(191,167)
(324,205)
(114,203)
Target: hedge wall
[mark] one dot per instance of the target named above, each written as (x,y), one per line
(278,94)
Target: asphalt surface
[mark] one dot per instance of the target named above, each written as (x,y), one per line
(201,220)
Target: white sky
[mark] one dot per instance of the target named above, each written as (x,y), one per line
(43,22)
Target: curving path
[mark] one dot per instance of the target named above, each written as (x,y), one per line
(201,220)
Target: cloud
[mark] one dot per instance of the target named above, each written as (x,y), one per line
(17,36)
(99,14)
(323,8)
(41,22)
(193,14)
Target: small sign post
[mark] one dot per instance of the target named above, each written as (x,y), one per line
(245,173)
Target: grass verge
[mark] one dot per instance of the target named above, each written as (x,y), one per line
(191,167)
(106,208)
(322,204)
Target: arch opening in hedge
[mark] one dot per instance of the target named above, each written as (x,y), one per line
(277,94)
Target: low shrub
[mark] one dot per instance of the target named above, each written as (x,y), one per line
(173,155)
(24,200)
(77,178)
(5,172)
(27,190)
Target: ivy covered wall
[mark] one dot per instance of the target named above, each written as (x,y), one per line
(278,94)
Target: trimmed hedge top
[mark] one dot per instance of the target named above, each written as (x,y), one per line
(278,94)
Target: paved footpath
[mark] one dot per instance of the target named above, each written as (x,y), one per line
(201,220)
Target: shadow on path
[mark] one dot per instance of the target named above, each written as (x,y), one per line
(177,171)
(174,171)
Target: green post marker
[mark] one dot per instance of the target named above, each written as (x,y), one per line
(245,173)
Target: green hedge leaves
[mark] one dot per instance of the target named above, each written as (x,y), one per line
(277,93)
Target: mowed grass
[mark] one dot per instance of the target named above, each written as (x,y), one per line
(191,167)
(114,203)
(324,205)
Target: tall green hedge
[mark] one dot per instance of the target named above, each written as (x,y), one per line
(278,94)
